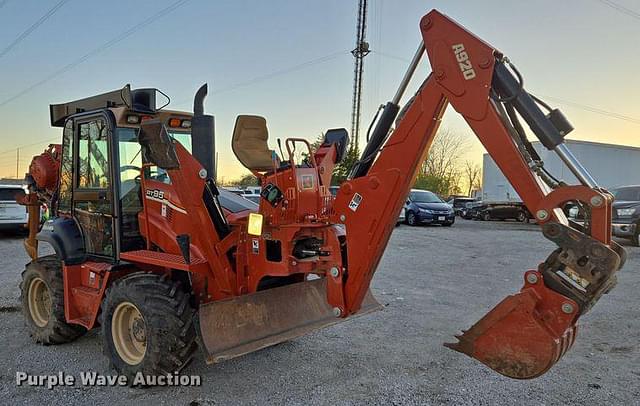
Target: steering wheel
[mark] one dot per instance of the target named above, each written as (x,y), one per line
(124,168)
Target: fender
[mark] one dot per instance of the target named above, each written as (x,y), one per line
(65,236)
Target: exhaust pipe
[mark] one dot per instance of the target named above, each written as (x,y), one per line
(203,134)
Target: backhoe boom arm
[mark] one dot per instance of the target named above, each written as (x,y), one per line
(528,332)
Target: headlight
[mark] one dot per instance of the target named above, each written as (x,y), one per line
(626,212)
(426,211)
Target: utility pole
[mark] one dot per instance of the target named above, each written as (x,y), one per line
(359,52)
(17,163)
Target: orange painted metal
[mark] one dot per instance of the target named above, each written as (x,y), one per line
(522,337)
(163,260)
(600,221)
(84,288)
(383,191)
(44,168)
(525,334)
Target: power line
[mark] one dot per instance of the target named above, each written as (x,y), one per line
(33,26)
(281,72)
(229,88)
(611,114)
(28,145)
(398,58)
(594,109)
(271,75)
(120,37)
(622,9)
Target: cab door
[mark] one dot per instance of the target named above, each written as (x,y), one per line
(92,192)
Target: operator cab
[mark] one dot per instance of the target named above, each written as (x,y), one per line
(100,174)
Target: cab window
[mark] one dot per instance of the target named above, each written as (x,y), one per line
(93,164)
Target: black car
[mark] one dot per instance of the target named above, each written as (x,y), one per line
(626,213)
(503,211)
(424,207)
(470,210)
(459,203)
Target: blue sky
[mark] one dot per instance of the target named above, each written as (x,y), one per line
(577,50)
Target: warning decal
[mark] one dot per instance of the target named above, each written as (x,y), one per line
(355,202)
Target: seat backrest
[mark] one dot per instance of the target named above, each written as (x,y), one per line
(249,143)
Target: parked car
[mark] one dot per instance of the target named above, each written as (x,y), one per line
(459,203)
(234,190)
(503,211)
(401,217)
(13,216)
(626,213)
(234,202)
(470,210)
(252,190)
(425,207)
(253,197)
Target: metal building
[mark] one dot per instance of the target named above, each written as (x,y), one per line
(611,165)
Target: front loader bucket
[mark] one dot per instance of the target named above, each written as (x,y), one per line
(525,334)
(237,326)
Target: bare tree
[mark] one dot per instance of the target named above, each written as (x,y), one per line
(440,171)
(472,173)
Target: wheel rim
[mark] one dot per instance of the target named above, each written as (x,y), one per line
(521,217)
(411,218)
(129,333)
(39,302)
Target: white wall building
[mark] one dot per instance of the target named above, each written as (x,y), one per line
(610,165)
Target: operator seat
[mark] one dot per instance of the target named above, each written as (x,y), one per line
(249,144)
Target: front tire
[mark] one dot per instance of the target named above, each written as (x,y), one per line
(486,216)
(411,219)
(147,326)
(635,238)
(42,297)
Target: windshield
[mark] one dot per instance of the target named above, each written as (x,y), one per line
(425,197)
(631,194)
(131,157)
(9,194)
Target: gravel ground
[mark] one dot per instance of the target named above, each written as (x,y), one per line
(433,281)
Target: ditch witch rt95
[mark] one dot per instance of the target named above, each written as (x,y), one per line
(147,247)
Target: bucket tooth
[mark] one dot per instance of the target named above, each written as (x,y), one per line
(523,336)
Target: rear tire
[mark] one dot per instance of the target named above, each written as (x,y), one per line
(147,326)
(42,297)
(522,217)
(486,216)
